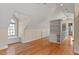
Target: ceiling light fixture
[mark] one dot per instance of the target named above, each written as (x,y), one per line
(61,4)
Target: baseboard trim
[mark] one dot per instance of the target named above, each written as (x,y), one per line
(76,53)
(33,40)
(28,41)
(3,47)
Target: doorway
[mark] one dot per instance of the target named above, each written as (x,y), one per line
(70,29)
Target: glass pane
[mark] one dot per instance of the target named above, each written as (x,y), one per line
(13,33)
(11,24)
(12,28)
(8,33)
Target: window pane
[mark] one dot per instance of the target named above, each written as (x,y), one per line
(12,29)
(11,24)
(12,33)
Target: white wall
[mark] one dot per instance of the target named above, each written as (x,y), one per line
(3,37)
(35,33)
(22,23)
(35,11)
(42,27)
(40,15)
(76,29)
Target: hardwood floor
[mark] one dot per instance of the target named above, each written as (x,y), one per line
(40,47)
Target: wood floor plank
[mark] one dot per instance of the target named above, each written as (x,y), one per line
(40,47)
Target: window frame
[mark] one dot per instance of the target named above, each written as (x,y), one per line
(11,30)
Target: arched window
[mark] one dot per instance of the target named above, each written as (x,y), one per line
(12,28)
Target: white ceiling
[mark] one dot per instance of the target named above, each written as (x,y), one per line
(67,9)
(50,11)
(38,12)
